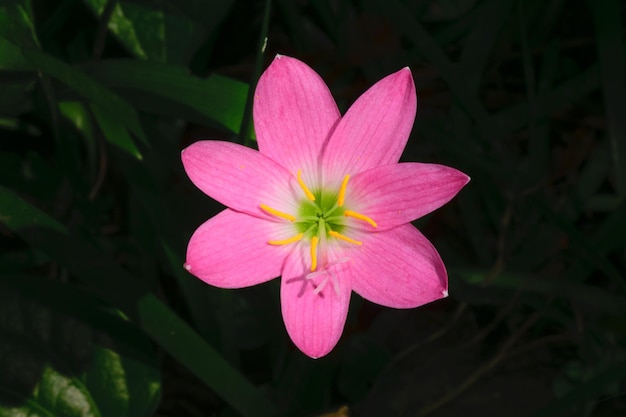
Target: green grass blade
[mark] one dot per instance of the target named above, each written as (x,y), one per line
(66,367)
(174,336)
(114,133)
(122,112)
(217,98)
(16,214)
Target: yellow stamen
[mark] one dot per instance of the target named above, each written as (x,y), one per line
(342,237)
(350,213)
(286,241)
(342,191)
(277,213)
(314,241)
(306,190)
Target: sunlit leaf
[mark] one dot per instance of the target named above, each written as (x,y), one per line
(54,365)
(113,132)
(160,31)
(218,98)
(97,269)
(78,115)
(116,108)
(16,23)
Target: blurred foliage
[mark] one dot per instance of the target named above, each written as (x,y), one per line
(97,315)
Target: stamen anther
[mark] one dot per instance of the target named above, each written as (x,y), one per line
(314,241)
(277,213)
(342,237)
(286,241)
(306,190)
(350,213)
(342,191)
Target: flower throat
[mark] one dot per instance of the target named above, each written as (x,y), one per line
(320,218)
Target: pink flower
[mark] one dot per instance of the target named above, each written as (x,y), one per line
(324,203)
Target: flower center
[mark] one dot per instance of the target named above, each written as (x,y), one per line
(320,219)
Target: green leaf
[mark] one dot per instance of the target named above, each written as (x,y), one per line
(54,365)
(78,115)
(161,31)
(124,28)
(113,132)
(11,57)
(16,213)
(16,23)
(117,109)
(217,98)
(96,268)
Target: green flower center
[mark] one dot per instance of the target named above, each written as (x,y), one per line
(320,217)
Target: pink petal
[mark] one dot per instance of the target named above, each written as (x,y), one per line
(314,321)
(397,268)
(230,250)
(238,177)
(294,113)
(400,193)
(375,129)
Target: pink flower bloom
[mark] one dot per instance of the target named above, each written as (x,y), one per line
(324,203)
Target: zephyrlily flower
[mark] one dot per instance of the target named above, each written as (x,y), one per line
(324,203)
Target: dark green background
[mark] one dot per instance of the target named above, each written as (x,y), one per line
(97,315)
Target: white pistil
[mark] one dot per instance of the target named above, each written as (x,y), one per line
(328,275)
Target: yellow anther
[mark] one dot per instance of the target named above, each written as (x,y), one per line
(342,237)
(314,241)
(350,213)
(306,190)
(286,241)
(277,213)
(342,191)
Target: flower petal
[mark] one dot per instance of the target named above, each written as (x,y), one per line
(375,129)
(314,321)
(400,193)
(239,177)
(230,250)
(294,113)
(397,268)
